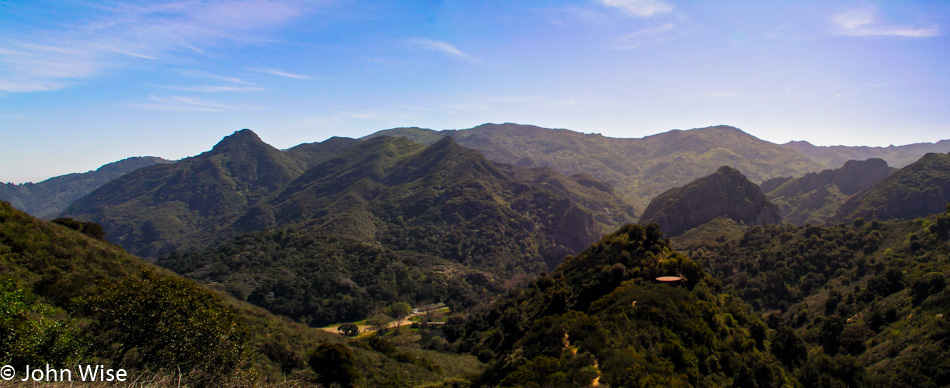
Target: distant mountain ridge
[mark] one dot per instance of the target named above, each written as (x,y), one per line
(48,198)
(726,193)
(917,190)
(813,198)
(642,168)
(896,156)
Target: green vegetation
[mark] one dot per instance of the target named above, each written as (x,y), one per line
(67,298)
(322,280)
(867,299)
(49,198)
(156,210)
(601,315)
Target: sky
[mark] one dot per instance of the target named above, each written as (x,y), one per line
(84,83)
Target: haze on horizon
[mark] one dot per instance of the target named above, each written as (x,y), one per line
(83,84)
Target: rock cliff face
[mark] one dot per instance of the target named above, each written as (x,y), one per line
(725,193)
(917,190)
(814,197)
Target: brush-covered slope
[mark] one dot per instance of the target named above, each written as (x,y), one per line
(640,169)
(814,197)
(311,154)
(48,198)
(916,190)
(320,280)
(725,193)
(68,299)
(155,210)
(858,304)
(897,156)
(449,201)
(601,318)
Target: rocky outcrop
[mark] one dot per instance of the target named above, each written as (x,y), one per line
(725,193)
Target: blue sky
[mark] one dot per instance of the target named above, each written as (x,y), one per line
(84,83)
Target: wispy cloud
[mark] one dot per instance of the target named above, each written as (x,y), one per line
(58,56)
(185,104)
(211,88)
(864,22)
(439,46)
(279,73)
(639,8)
(201,74)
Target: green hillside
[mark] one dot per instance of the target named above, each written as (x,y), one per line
(916,190)
(862,303)
(449,201)
(322,280)
(602,317)
(70,299)
(156,210)
(50,197)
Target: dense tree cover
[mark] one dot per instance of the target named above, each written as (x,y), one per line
(321,280)
(601,315)
(66,298)
(164,322)
(869,296)
(33,332)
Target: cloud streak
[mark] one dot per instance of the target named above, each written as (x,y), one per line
(211,88)
(121,34)
(439,46)
(280,73)
(863,22)
(182,104)
(639,8)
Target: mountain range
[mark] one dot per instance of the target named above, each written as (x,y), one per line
(441,199)
(814,197)
(782,270)
(49,198)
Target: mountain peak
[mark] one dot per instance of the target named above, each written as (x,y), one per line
(727,193)
(237,139)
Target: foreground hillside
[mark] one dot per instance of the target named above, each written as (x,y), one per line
(602,318)
(71,299)
(863,302)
